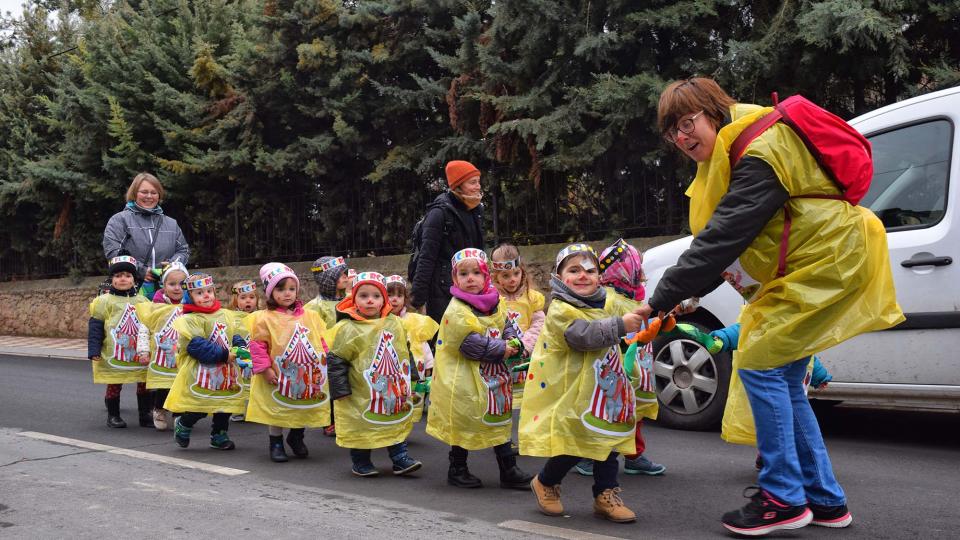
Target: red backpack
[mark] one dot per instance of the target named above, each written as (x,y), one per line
(841,151)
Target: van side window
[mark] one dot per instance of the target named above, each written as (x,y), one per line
(911,167)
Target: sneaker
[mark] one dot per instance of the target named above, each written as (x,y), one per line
(237,418)
(404,464)
(585,467)
(330,431)
(835,517)
(181,433)
(609,505)
(160,420)
(765,514)
(364,469)
(642,465)
(548,497)
(221,441)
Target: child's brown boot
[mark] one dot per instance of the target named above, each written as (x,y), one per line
(608,505)
(548,497)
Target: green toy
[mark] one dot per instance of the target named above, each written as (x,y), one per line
(688,331)
(243,357)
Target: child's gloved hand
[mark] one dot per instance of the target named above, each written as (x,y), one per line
(243,357)
(422,387)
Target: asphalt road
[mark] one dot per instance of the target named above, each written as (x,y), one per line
(901,471)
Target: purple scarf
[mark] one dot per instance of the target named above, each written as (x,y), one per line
(485,302)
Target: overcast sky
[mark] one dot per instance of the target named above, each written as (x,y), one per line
(14,6)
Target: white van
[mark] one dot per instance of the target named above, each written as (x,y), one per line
(916,193)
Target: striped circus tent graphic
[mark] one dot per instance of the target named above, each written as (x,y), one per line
(517,378)
(499,385)
(644,381)
(613,397)
(220,376)
(125,335)
(166,341)
(301,370)
(389,388)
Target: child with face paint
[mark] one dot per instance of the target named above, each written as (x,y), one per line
(621,272)
(420,330)
(289,355)
(370,377)
(244,300)
(524,308)
(208,377)
(578,400)
(471,403)
(112,338)
(158,339)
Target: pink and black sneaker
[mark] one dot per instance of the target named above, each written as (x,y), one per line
(765,514)
(835,517)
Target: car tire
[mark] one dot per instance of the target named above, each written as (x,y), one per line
(690,399)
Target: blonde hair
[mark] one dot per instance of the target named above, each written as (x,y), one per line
(141,178)
(509,252)
(235,296)
(692,96)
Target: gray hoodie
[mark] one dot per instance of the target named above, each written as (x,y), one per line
(133,229)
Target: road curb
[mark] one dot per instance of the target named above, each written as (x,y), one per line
(44,352)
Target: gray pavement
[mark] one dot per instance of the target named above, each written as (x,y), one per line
(901,472)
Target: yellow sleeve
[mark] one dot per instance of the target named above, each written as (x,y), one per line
(537,301)
(99,308)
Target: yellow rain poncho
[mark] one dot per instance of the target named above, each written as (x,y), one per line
(164,338)
(118,356)
(199,388)
(243,324)
(520,312)
(420,329)
(327,309)
(378,412)
(301,397)
(576,403)
(470,402)
(838,282)
(641,369)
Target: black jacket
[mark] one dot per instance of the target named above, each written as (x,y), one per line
(338,375)
(447,228)
(754,197)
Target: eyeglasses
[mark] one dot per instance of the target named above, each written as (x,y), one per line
(685,126)
(147,193)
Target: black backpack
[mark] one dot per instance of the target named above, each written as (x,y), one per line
(416,237)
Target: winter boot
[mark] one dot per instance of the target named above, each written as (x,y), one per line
(511,476)
(221,441)
(608,505)
(145,409)
(181,433)
(277,453)
(113,413)
(295,440)
(459,475)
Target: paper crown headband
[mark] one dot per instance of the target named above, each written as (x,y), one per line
(469,253)
(245,287)
(505,265)
(376,277)
(123,259)
(619,249)
(574,249)
(396,279)
(198,281)
(336,262)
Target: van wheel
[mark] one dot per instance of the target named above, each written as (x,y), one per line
(691,383)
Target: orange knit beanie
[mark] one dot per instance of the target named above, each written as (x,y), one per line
(459,172)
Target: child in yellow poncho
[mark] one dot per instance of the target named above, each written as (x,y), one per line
(420,330)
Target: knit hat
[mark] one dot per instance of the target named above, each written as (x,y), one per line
(123,263)
(376,279)
(621,267)
(459,172)
(575,249)
(195,282)
(175,265)
(476,255)
(326,272)
(273,273)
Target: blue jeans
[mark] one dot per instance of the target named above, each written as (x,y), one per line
(362,456)
(796,467)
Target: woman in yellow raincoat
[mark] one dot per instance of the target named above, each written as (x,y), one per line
(370,376)
(471,408)
(208,377)
(836,284)
(289,356)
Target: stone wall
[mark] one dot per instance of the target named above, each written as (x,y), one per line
(60,307)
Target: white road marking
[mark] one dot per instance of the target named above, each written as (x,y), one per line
(550,530)
(189,464)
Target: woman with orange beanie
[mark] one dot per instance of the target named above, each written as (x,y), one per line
(453,222)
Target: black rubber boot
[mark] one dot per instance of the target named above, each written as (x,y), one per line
(295,440)
(277,453)
(459,475)
(511,476)
(145,409)
(113,413)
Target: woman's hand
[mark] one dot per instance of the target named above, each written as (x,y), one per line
(644,312)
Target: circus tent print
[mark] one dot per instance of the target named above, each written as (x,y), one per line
(125,335)
(389,387)
(612,402)
(301,371)
(220,376)
(497,379)
(166,356)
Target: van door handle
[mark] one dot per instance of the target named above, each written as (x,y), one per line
(927,261)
